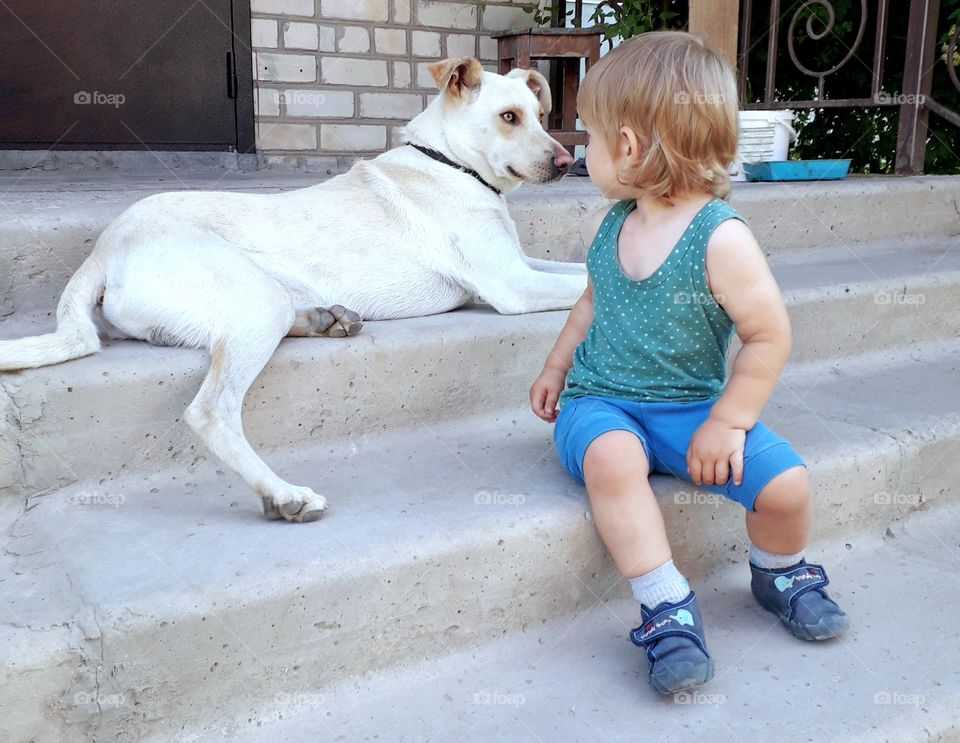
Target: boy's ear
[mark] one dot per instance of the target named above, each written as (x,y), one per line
(457,74)
(538,84)
(630,140)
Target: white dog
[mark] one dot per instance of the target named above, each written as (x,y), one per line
(418,230)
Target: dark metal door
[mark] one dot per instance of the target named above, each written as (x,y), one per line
(126,74)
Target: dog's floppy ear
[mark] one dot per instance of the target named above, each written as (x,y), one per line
(455,74)
(538,84)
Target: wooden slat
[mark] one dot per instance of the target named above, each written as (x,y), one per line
(717,23)
(568,138)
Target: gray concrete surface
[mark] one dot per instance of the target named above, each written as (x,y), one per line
(112,162)
(168,597)
(578,679)
(146,599)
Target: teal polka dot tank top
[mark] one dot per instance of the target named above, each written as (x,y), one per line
(663,337)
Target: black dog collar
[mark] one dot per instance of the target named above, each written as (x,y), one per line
(440,157)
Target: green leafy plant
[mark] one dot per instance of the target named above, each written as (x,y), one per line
(621,19)
(617,19)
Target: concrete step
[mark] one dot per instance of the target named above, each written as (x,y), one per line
(168,602)
(49,222)
(577,678)
(848,299)
(120,411)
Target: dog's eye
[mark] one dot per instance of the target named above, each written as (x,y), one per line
(510,117)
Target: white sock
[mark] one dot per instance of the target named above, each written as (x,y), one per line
(772,561)
(664,583)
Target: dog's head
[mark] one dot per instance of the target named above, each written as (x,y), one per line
(494,123)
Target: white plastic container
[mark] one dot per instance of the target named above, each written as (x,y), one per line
(764,136)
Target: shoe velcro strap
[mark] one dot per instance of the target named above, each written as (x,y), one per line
(803,578)
(672,621)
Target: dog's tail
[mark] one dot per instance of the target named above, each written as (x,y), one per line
(76,334)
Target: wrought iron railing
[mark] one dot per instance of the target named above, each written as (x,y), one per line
(817,19)
(814,20)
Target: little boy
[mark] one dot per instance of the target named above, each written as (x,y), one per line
(638,372)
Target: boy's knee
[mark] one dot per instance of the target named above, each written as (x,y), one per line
(614,456)
(786,494)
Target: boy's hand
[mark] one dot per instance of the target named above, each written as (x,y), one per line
(545,392)
(716,452)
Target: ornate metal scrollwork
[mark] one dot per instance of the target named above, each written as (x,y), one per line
(952,56)
(817,35)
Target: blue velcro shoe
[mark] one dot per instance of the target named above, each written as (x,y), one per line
(796,595)
(672,635)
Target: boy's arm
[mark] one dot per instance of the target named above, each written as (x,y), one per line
(738,272)
(741,282)
(574,331)
(549,384)
(561,357)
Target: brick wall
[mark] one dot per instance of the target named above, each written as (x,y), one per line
(335,79)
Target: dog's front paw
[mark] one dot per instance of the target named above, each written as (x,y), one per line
(294,503)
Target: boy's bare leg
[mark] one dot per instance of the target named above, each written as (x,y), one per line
(628,518)
(781,521)
(778,530)
(625,510)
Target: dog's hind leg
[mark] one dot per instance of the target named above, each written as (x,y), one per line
(326,322)
(202,291)
(215,415)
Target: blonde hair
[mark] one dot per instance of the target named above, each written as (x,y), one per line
(680,97)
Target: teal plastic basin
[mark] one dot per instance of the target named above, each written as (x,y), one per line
(797,170)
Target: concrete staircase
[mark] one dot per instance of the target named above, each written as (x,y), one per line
(457,589)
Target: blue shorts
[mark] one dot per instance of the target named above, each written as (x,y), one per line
(665,430)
